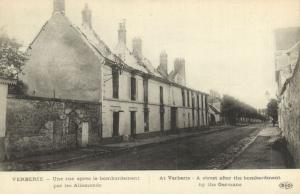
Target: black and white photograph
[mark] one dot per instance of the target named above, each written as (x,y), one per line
(147,85)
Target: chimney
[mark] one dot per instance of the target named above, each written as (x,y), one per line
(86,17)
(137,47)
(59,6)
(163,63)
(179,68)
(122,32)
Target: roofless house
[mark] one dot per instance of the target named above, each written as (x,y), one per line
(70,62)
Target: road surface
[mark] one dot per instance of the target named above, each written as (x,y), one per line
(184,154)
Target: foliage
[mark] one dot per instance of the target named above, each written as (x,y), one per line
(272,109)
(234,110)
(11,58)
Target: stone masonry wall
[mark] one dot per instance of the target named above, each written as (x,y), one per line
(40,125)
(289,115)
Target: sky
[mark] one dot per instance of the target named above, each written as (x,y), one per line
(228,45)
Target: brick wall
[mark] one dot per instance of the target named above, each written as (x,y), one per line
(289,115)
(40,125)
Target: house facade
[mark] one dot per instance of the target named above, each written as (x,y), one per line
(70,62)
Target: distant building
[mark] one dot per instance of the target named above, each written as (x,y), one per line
(214,115)
(214,102)
(70,62)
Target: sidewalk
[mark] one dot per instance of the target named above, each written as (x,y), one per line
(43,162)
(261,153)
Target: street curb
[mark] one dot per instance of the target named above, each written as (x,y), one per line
(252,140)
(221,161)
(228,163)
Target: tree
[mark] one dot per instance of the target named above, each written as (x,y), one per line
(235,111)
(272,110)
(11,58)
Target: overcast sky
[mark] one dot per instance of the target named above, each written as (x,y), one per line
(228,44)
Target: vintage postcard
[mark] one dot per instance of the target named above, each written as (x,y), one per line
(149,96)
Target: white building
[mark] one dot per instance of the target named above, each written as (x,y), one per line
(72,62)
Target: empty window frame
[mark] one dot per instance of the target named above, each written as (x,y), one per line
(183,97)
(161,94)
(115,82)
(133,88)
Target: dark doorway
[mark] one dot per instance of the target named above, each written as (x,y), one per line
(173,118)
(198,113)
(162,121)
(212,119)
(193,118)
(146,120)
(116,118)
(133,123)
(189,120)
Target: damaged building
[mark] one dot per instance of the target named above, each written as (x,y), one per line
(96,93)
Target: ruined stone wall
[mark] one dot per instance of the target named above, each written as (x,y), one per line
(40,125)
(289,115)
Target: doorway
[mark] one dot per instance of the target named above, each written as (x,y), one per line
(133,123)
(146,120)
(173,118)
(116,118)
(162,121)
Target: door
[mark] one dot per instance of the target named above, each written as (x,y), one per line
(146,120)
(133,123)
(85,134)
(173,118)
(115,124)
(162,121)
(189,120)
(198,120)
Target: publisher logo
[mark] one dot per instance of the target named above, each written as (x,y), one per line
(286,185)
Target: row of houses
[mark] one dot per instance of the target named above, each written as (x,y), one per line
(85,92)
